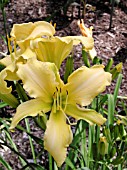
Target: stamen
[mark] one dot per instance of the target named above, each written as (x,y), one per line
(10,47)
(66,101)
(68,118)
(60,99)
(15,48)
(54,102)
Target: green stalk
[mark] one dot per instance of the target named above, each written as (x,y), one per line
(50,162)
(17,153)
(24,98)
(110,109)
(14,146)
(116,91)
(5,29)
(30,139)
(90,142)
(83,144)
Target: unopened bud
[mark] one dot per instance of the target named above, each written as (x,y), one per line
(103,146)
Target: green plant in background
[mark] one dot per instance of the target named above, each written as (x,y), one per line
(3,3)
(35,58)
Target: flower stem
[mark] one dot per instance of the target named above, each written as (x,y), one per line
(30,139)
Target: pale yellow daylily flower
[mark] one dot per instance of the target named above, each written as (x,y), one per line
(28,31)
(21,35)
(87,32)
(42,82)
(56,49)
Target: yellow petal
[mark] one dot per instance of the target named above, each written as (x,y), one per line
(86,83)
(3,85)
(29,108)
(53,50)
(87,42)
(38,78)
(6,61)
(27,31)
(89,115)
(92,53)
(57,137)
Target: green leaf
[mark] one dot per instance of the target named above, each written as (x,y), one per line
(111,109)
(85,58)
(109,65)
(69,68)
(9,99)
(3,104)
(34,166)
(70,164)
(5,164)
(2,67)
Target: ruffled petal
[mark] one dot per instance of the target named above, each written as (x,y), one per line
(27,31)
(89,115)
(86,83)
(39,78)
(29,108)
(3,84)
(57,137)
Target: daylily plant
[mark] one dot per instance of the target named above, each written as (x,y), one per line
(37,40)
(50,95)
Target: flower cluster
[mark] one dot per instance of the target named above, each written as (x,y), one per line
(35,58)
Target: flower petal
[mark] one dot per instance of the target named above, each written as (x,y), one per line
(89,115)
(27,31)
(3,85)
(57,137)
(39,78)
(87,42)
(53,50)
(6,60)
(86,83)
(29,108)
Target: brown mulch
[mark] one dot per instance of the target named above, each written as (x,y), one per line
(108,43)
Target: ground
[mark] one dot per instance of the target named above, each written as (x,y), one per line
(108,43)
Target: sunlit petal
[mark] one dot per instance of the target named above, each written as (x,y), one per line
(89,115)
(29,108)
(57,137)
(38,78)
(86,83)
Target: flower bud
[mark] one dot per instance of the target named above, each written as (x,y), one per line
(103,146)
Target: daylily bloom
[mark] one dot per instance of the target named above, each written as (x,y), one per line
(21,35)
(42,82)
(56,49)
(87,32)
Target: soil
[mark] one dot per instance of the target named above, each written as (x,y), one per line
(108,44)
